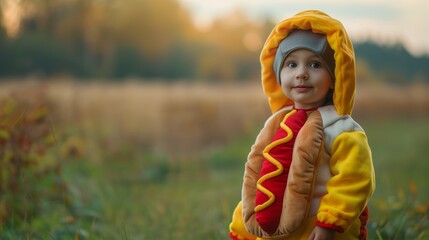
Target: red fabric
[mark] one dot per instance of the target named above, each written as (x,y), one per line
(330,226)
(232,236)
(269,218)
(363,220)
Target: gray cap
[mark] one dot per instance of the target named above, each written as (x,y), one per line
(305,39)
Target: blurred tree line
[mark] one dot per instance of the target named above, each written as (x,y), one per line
(145,39)
(126,38)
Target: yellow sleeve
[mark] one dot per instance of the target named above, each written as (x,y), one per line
(237,230)
(352,183)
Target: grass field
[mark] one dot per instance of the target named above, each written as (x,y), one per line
(166,162)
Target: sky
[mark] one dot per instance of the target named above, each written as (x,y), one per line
(384,21)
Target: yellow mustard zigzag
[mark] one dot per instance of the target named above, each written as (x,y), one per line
(276,163)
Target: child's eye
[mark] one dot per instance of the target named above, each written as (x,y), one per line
(291,64)
(315,65)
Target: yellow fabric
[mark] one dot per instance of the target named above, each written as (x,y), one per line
(237,227)
(352,183)
(238,230)
(339,41)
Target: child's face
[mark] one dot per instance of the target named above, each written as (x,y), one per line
(305,80)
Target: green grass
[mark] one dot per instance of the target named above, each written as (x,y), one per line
(134,194)
(400,204)
(401,152)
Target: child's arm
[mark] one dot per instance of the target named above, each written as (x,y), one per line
(352,183)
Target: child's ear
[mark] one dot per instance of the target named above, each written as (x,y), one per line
(332,86)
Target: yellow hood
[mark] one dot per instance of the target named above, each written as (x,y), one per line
(318,22)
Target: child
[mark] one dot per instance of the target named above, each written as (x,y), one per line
(309,174)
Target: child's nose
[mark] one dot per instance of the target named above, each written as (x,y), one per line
(301,73)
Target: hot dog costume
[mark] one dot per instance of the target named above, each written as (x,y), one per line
(307,168)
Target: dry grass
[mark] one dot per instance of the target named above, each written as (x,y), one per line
(165,117)
(392,101)
(181,118)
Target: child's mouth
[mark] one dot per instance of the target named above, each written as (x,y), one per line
(302,88)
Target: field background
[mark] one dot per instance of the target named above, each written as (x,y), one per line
(165,160)
(132,119)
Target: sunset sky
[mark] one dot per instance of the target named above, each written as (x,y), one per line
(384,21)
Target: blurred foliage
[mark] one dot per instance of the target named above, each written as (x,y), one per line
(27,175)
(126,38)
(404,216)
(32,185)
(152,39)
(393,63)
